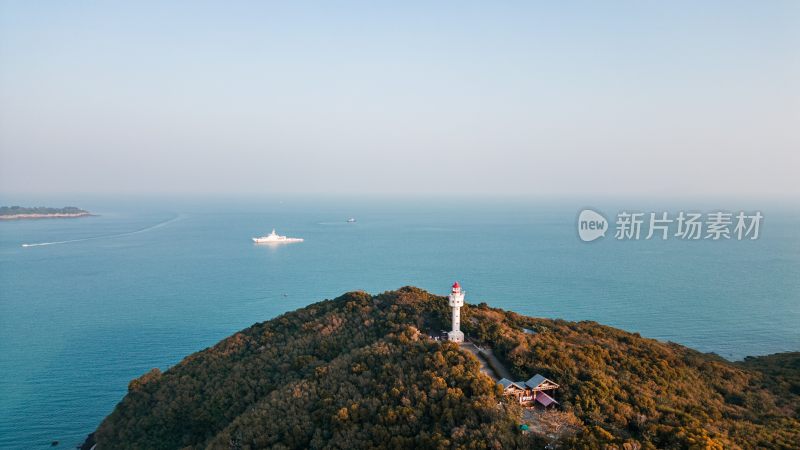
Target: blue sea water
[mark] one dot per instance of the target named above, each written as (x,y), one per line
(145,283)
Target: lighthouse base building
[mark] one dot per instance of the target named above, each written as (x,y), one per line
(455,336)
(456,301)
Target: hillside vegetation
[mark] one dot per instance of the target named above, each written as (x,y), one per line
(39,210)
(360,372)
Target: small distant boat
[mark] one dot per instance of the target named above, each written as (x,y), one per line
(351,220)
(275,238)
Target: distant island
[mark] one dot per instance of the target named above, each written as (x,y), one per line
(373,371)
(40,212)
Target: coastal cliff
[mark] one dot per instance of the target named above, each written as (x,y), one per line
(364,371)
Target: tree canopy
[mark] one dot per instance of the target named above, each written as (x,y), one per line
(360,372)
(14,210)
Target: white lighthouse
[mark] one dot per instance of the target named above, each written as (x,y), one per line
(456,301)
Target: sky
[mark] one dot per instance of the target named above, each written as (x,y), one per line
(545,99)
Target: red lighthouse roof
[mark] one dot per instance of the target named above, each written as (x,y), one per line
(456,285)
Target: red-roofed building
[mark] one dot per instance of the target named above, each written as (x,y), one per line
(538,390)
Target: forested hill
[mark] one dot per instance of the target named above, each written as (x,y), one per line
(360,372)
(40,211)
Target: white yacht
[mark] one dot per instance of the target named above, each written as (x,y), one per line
(274,238)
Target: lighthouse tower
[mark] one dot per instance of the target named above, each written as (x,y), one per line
(456,301)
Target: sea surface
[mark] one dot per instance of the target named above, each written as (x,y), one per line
(148,281)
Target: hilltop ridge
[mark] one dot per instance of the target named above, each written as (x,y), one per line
(361,371)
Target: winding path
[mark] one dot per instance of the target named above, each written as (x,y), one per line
(490,365)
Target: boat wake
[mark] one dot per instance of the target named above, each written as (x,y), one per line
(109,236)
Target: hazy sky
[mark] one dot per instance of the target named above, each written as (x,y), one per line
(565,98)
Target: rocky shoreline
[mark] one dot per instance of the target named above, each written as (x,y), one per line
(89,443)
(45,216)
